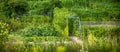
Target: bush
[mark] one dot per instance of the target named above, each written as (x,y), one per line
(115,31)
(40,31)
(14,8)
(60,49)
(14,47)
(40,8)
(56,3)
(4,30)
(31,31)
(49,48)
(60,21)
(35,20)
(102,45)
(73,47)
(49,31)
(15,24)
(35,49)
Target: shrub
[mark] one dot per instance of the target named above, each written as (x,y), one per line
(15,24)
(115,31)
(14,47)
(35,20)
(49,31)
(49,48)
(60,49)
(60,21)
(56,3)
(14,8)
(4,30)
(35,49)
(31,31)
(40,8)
(71,47)
(40,31)
(100,45)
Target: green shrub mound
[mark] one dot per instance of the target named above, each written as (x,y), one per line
(49,31)
(40,31)
(31,31)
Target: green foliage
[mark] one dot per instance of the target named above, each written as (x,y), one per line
(56,3)
(115,31)
(49,48)
(35,49)
(49,31)
(4,30)
(14,47)
(60,21)
(50,39)
(40,31)
(60,49)
(101,44)
(35,20)
(23,22)
(14,8)
(73,47)
(15,25)
(40,8)
(33,32)
(102,31)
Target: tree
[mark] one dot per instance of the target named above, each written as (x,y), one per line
(14,8)
(47,8)
(54,3)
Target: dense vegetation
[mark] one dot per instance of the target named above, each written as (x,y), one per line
(51,25)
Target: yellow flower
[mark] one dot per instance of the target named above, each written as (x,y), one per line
(91,39)
(60,49)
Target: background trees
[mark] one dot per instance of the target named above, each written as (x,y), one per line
(14,8)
